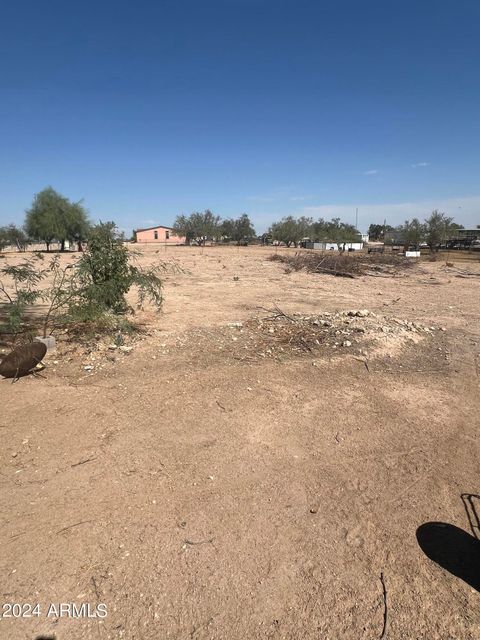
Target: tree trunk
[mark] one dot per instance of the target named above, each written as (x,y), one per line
(62,245)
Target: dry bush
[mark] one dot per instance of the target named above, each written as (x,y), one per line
(347,265)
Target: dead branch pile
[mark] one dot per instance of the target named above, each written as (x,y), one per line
(461,273)
(346,265)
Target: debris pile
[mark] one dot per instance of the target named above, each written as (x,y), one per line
(280,336)
(346,265)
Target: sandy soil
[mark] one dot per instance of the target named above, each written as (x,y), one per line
(221,481)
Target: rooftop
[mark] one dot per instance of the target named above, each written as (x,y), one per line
(157,226)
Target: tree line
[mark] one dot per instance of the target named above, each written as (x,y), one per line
(200,227)
(435,230)
(54,218)
(291,231)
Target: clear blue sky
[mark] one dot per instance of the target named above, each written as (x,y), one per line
(149,109)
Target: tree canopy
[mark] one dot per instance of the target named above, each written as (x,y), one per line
(52,217)
(198,227)
(238,230)
(413,232)
(436,230)
(291,230)
(378,231)
(14,236)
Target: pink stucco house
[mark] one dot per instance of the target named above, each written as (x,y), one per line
(158,234)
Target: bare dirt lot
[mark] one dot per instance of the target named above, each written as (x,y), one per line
(257,466)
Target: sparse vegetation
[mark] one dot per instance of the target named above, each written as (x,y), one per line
(107,274)
(22,292)
(89,291)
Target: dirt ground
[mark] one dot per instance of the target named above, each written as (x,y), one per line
(256,466)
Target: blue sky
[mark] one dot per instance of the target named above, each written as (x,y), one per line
(151,109)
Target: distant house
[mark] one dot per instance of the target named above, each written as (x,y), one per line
(158,234)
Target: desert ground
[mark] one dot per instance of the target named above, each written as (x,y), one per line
(257,465)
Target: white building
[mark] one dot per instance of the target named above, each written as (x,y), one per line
(333,246)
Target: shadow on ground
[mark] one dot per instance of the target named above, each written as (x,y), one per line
(453,549)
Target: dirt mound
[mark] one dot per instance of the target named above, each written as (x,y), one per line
(280,336)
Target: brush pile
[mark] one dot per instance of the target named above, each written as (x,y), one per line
(346,265)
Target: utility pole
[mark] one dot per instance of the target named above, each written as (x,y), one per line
(356,218)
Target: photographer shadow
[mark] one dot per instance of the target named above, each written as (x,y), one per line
(453,549)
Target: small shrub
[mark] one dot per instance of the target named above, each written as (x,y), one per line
(22,293)
(107,275)
(105,272)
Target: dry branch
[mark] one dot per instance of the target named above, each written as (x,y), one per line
(345,265)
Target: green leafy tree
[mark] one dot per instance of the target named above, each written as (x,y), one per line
(438,227)
(285,230)
(198,227)
(17,237)
(375,231)
(44,218)
(335,231)
(412,233)
(53,217)
(321,231)
(379,231)
(4,238)
(105,271)
(227,229)
(291,230)
(77,224)
(266,239)
(238,230)
(304,227)
(243,229)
